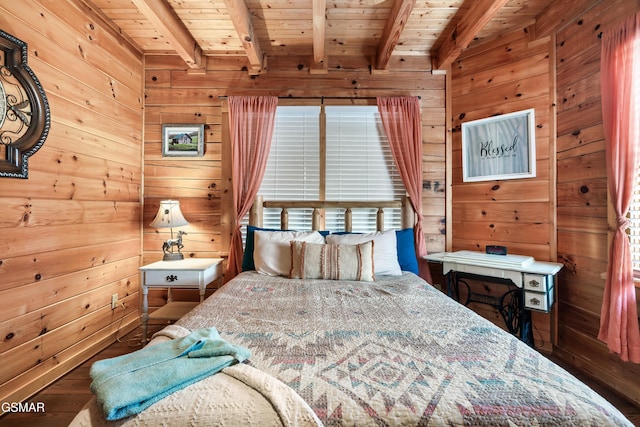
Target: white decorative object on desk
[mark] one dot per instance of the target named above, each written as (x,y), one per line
(489,260)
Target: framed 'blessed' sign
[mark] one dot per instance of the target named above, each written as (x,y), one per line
(499,147)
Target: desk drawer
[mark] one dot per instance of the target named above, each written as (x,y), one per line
(538,301)
(174,279)
(537,282)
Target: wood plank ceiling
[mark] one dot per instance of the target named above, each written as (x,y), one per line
(317,29)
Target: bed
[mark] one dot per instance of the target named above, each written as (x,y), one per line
(384,350)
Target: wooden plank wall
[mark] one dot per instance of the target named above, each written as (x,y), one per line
(176,95)
(71,232)
(554,63)
(507,75)
(582,194)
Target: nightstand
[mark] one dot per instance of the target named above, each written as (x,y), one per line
(190,273)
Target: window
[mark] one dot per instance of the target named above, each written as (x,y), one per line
(349,158)
(634,209)
(634,228)
(293,168)
(359,166)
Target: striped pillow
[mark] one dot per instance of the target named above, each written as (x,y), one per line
(332,262)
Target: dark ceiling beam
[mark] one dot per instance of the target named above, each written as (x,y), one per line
(173,30)
(241,18)
(319,63)
(400,12)
(480,12)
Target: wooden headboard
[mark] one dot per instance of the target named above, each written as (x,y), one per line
(256,213)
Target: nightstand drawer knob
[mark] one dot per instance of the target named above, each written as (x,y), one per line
(535,301)
(172,278)
(534,283)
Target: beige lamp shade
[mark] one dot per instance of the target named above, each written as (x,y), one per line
(169,215)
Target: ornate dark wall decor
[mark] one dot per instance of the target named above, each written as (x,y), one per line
(24,109)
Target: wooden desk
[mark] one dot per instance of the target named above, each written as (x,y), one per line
(190,273)
(530,284)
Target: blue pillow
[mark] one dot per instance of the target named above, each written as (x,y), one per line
(407,251)
(249,246)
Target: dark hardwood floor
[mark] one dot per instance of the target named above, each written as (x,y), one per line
(65,397)
(627,407)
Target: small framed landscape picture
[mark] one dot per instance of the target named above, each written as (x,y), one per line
(499,147)
(182,140)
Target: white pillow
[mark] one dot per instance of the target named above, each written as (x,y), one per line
(272,253)
(385,251)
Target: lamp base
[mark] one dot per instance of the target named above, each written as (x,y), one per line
(176,256)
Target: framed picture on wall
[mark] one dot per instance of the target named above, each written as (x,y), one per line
(182,140)
(499,147)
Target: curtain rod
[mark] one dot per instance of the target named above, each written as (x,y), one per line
(318,97)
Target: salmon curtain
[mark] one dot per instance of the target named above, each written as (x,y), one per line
(251,122)
(401,121)
(619,81)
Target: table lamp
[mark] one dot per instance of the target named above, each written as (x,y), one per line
(169,216)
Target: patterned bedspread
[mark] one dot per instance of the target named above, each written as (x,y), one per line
(394,352)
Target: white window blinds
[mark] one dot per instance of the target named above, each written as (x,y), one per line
(358,162)
(634,208)
(634,227)
(293,168)
(360,166)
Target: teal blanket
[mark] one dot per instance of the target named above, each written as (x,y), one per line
(125,385)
